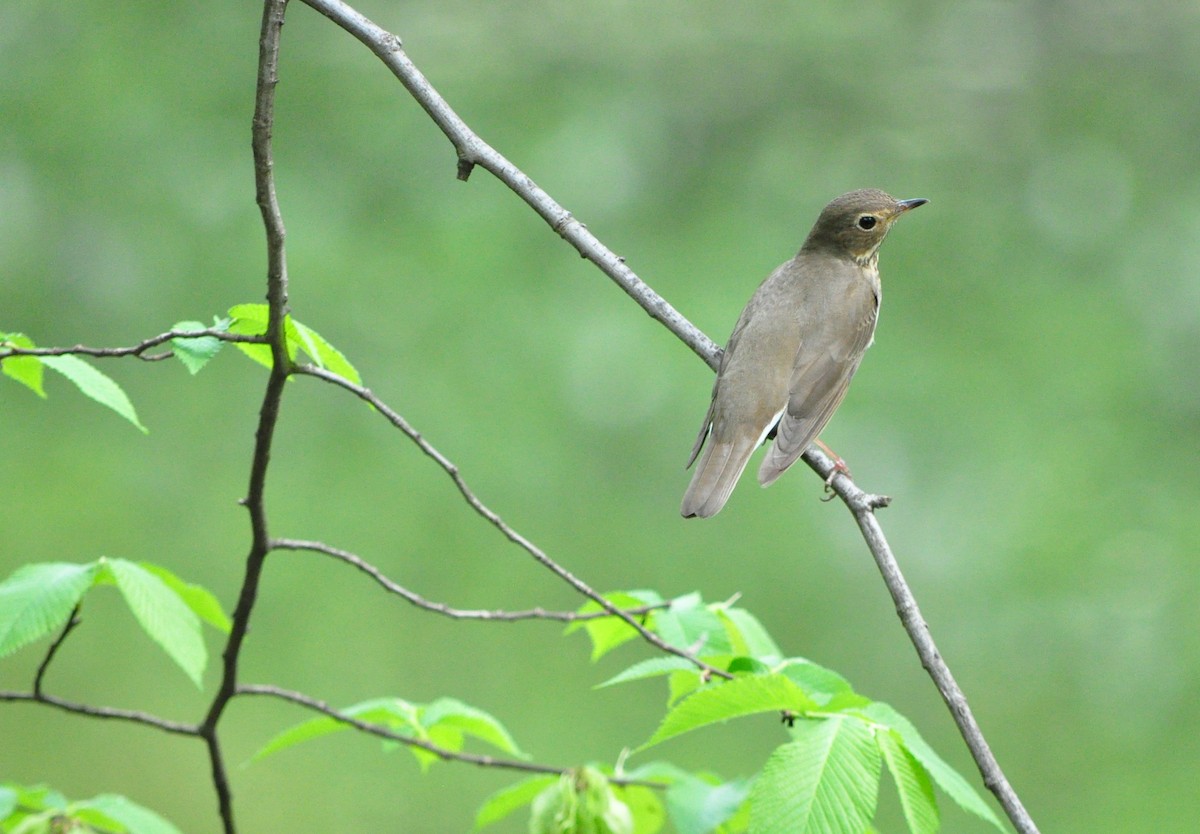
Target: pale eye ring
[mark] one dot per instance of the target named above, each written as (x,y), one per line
(867,222)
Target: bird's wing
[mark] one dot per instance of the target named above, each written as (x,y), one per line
(819,381)
(706,426)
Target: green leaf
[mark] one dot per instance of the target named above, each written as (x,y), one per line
(650,668)
(195,352)
(448,712)
(731,699)
(196,597)
(38,599)
(606,633)
(94,384)
(825,686)
(136,818)
(162,614)
(824,782)
(325,355)
(393,713)
(698,807)
(252,320)
(644,806)
(26,370)
(912,783)
(580,802)
(688,623)
(507,800)
(747,635)
(946,777)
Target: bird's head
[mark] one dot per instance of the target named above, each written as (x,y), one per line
(855,224)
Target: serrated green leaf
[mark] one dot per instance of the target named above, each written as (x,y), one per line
(699,807)
(94,384)
(719,702)
(681,684)
(325,355)
(606,633)
(194,352)
(747,635)
(27,370)
(37,599)
(449,712)
(912,783)
(507,800)
(825,686)
(826,781)
(393,713)
(946,777)
(196,597)
(162,614)
(650,668)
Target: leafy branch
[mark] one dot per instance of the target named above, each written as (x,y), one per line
(721,664)
(472,150)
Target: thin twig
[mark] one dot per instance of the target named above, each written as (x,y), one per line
(419,601)
(384,732)
(410,741)
(473,150)
(500,524)
(72,622)
(138,350)
(135,716)
(862,506)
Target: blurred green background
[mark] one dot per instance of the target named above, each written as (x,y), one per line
(1032,402)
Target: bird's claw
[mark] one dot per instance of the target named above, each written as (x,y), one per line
(839,468)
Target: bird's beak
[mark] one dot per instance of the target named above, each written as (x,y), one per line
(904,205)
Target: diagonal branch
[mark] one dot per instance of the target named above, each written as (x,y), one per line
(419,601)
(500,524)
(473,150)
(428,746)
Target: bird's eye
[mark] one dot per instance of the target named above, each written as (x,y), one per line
(867,222)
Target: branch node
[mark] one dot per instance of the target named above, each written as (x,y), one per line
(465,167)
(560,225)
(878,502)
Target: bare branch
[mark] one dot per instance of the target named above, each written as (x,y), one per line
(446,610)
(135,716)
(472,150)
(500,524)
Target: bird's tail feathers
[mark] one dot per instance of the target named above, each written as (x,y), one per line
(716,475)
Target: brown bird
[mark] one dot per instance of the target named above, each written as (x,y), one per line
(794,349)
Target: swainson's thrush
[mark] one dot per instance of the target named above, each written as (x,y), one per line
(794,349)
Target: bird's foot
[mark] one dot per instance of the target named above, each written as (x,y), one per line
(839,468)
